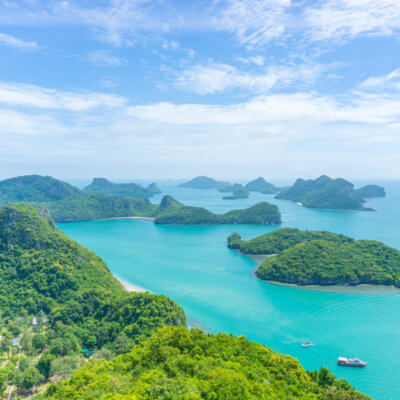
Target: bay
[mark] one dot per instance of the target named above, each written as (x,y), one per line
(219,293)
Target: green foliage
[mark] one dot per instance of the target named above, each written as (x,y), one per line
(240,193)
(204,182)
(324,193)
(42,269)
(63,367)
(104,186)
(177,364)
(35,188)
(261,185)
(281,239)
(322,258)
(172,212)
(93,206)
(370,191)
(44,364)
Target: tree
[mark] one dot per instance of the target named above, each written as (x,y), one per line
(64,367)
(44,364)
(122,344)
(38,341)
(28,378)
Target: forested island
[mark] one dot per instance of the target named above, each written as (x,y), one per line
(325,193)
(204,182)
(371,191)
(239,193)
(261,185)
(104,186)
(58,298)
(171,211)
(321,258)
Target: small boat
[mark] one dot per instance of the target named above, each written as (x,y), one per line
(351,362)
(307,344)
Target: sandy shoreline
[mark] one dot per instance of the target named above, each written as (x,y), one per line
(129,287)
(137,218)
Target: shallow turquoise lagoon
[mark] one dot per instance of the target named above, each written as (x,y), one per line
(218,291)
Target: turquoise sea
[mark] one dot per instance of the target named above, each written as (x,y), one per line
(217,289)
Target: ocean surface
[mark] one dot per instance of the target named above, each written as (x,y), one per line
(219,293)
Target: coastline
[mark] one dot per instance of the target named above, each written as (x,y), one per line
(362,288)
(129,287)
(137,218)
(357,289)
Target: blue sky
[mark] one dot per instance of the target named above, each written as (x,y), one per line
(173,89)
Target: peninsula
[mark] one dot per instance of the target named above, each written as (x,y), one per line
(324,193)
(57,298)
(321,258)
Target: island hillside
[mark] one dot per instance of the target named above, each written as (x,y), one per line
(104,186)
(261,185)
(171,211)
(35,188)
(321,258)
(204,182)
(324,193)
(371,191)
(177,364)
(231,188)
(58,298)
(240,193)
(94,206)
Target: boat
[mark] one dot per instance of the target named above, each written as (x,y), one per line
(351,362)
(307,344)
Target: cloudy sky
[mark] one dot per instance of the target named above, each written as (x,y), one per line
(177,88)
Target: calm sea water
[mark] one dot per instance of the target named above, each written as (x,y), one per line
(217,289)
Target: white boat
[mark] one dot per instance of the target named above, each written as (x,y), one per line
(307,344)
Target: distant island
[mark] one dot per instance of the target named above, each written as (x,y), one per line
(204,182)
(104,186)
(238,193)
(171,211)
(230,188)
(371,191)
(321,258)
(325,193)
(261,185)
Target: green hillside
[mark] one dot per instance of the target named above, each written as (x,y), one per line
(47,276)
(35,188)
(177,364)
(104,186)
(171,211)
(321,258)
(204,182)
(371,191)
(324,193)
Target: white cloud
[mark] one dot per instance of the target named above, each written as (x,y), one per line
(258,60)
(216,78)
(390,81)
(347,19)
(170,45)
(255,22)
(103,58)
(15,42)
(17,94)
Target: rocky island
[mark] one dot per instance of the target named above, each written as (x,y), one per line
(321,258)
(238,193)
(371,191)
(324,193)
(204,182)
(261,185)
